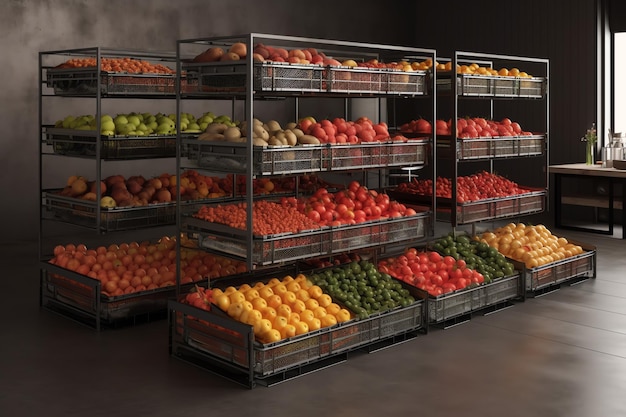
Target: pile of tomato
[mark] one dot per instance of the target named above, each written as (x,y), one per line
(480,186)
(354,205)
(130,65)
(268,218)
(430,271)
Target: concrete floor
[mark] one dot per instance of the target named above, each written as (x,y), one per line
(562,354)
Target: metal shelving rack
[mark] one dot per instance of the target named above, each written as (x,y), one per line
(74,295)
(245,84)
(494,90)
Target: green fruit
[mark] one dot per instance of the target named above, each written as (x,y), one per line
(107,125)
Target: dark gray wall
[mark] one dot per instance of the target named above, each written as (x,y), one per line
(561,30)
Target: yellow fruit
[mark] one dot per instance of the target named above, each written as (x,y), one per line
(237,297)
(320,312)
(235,310)
(315,291)
(222,301)
(283,310)
(301,327)
(328,320)
(311,304)
(324,300)
(343,315)
(332,308)
(259,303)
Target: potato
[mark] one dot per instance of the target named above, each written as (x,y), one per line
(259,142)
(291,137)
(272,126)
(216,128)
(260,132)
(232,134)
(308,140)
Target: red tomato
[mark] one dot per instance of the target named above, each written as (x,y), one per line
(434,257)
(436,280)
(314,215)
(448,287)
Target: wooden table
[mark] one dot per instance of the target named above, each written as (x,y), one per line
(614,176)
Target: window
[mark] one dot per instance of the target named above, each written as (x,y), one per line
(620,82)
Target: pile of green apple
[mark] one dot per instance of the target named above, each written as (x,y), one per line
(143,124)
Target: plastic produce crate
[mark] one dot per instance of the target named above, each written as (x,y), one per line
(497,208)
(500,147)
(446,307)
(73,142)
(228,77)
(77,81)
(84,212)
(555,273)
(473,85)
(378,232)
(270,160)
(222,341)
(80,297)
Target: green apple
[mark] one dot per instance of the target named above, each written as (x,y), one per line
(193,126)
(120,119)
(134,119)
(107,125)
(67,121)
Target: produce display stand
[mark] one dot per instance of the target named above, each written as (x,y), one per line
(63,291)
(211,339)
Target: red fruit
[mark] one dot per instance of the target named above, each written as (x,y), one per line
(423,126)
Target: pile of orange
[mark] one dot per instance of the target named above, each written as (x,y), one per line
(534,245)
(481,70)
(280,309)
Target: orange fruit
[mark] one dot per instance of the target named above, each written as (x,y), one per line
(294,318)
(244,287)
(303,295)
(266,292)
(280,322)
(261,327)
(271,336)
(215,292)
(324,300)
(328,320)
(259,303)
(237,297)
(311,304)
(288,297)
(258,285)
(503,71)
(287,279)
(343,315)
(280,289)
(254,316)
(235,310)
(298,306)
(307,315)
(251,294)
(288,331)
(247,306)
(332,308)
(301,327)
(273,282)
(274,301)
(283,310)
(319,312)
(269,313)
(222,301)
(315,291)
(314,324)
(293,286)
(229,290)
